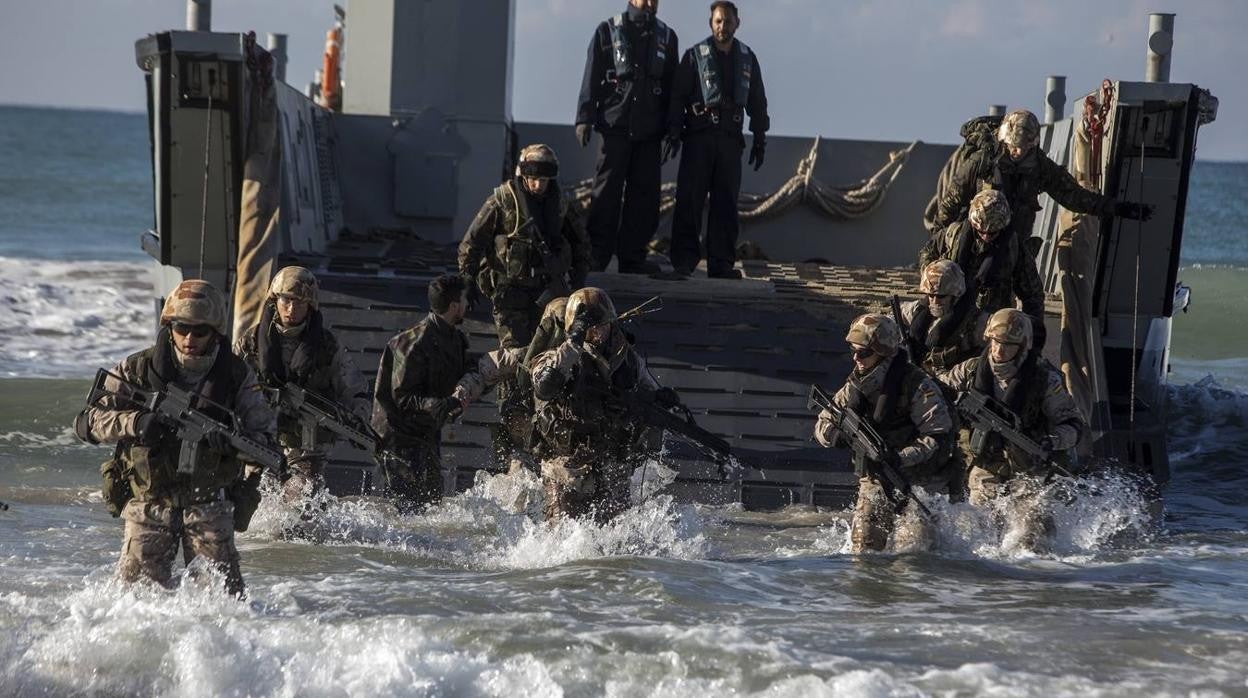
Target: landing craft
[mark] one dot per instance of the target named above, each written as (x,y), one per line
(373,194)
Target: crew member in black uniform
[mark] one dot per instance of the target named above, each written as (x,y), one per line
(717,84)
(624,96)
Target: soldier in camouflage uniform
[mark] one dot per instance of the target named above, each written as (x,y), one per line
(997,267)
(291,344)
(945,328)
(526,247)
(587,443)
(162,508)
(1014,165)
(1032,389)
(907,409)
(416,395)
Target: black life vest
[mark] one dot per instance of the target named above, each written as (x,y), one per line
(952,342)
(622,49)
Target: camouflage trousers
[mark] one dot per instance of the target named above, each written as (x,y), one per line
(576,489)
(413,477)
(1027,513)
(516,315)
(154,532)
(875,518)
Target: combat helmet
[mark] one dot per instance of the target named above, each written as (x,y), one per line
(295,282)
(1010,326)
(877,332)
(990,211)
(195,302)
(595,301)
(1019,129)
(942,278)
(538,161)
(556,309)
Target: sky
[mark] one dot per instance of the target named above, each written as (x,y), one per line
(869,69)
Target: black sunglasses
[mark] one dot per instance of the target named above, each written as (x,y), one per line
(197,331)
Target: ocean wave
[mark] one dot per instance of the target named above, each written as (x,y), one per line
(64,319)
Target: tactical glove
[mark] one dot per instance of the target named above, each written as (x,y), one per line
(149,430)
(1047,443)
(758,152)
(580,326)
(245,494)
(1133,211)
(583,132)
(219,441)
(666,398)
(671,148)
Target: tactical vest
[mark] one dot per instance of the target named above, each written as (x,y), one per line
(153,471)
(997,456)
(319,378)
(622,49)
(518,261)
(711,82)
(993,288)
(584,419)
(890,413)
(954,342)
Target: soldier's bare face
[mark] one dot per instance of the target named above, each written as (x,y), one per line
(723,26)
(536,185)
(455,313)
(1002,352)
(192,340)
(291,311)
(1017,152)
(651,6)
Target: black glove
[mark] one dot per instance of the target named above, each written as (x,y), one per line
(666,398)
(583,132)
(245,494)
(757,153)
(474,296)
(149,430)
(580,326)
(1047,444)
(1133,211)
(219,441)
(891,458)
(671,148)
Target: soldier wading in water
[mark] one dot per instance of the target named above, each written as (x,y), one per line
(165,509)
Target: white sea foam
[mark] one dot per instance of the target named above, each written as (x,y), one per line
(64,319)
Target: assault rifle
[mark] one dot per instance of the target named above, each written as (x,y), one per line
(912,345)
(642,407)
(183,410)
(987,416)
(317,412)
(869,447)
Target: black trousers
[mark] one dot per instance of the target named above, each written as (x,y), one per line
(710,162)
(624,212)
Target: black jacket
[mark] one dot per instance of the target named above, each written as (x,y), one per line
(635,106)
(729,117)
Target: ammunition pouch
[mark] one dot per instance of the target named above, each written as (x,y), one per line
(116,487)
(245,494)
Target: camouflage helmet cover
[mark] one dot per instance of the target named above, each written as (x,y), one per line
(597,303)
(538,161)
(990,211)
(556,309)
(196,302)
(875,331)
(295,282)
(942,278)
(1010,326)
(1019,129)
